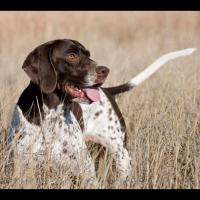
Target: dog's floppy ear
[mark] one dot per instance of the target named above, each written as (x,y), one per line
(39,68)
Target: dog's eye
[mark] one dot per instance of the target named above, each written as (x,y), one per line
(72,57)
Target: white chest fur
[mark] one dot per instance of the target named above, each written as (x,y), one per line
(59,134)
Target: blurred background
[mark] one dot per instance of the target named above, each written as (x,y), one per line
(160,113)
(120,40)
(138,34)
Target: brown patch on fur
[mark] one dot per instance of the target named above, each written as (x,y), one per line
(110,127)
(110,111)
(64,150)
(65,143)
(98,113)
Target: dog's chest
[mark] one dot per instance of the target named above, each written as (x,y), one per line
(59,133)
(100,118)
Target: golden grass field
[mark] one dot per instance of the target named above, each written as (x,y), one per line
(162,114)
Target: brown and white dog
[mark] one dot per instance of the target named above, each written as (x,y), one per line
(64,106)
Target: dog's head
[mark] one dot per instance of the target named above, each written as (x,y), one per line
(65,65)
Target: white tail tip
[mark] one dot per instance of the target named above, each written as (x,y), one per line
(188,51)
(159,63)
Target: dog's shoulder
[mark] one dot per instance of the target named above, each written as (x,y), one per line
(20,125)
(115,107)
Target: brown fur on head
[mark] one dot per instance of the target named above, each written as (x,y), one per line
(55,63)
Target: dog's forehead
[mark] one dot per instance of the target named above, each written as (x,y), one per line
(68,44)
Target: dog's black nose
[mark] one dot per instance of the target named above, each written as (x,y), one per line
(102,71)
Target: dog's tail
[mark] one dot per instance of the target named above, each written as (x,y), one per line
(151,69)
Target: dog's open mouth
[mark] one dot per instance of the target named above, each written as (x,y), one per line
(87,93)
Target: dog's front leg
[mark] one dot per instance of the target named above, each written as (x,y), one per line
(87,170)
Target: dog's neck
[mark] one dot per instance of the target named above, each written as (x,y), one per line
(32,100)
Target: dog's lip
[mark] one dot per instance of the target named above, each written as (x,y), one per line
(84,92)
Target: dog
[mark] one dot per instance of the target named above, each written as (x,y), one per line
(65,105)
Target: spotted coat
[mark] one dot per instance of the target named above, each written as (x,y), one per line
(60,135)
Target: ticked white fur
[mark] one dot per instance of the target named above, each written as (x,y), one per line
(61,137)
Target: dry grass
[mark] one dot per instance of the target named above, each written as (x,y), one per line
(162,114)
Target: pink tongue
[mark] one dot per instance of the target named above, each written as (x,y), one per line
(92,94)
